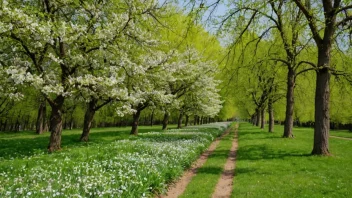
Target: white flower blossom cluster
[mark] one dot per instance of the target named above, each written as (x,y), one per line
(103,51)
(125,168)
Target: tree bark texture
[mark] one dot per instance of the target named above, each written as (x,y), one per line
(262,121)
(88,118)
(166,120)
(257,121)
(56,124)
(179,121)
(40,125)
(136,116)
(322,106)
(289,104)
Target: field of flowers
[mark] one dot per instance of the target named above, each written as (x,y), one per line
(140,166)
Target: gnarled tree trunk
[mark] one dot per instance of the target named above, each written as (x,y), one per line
(136,116)
(88,118)
(56,124)
(165,120)
(289,104)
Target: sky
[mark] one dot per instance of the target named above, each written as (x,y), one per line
(212,13)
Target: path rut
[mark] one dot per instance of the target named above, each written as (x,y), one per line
(179,187)
(343,138)
(224,186)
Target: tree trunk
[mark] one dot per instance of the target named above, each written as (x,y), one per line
(56,124)
(254,116)
(45,119)
(257,121)
(166,120)
(322,106)
(262,123)
(179,121)
(289,104)
(271,115)
(88,118)
(40,118)
(136,116)
(187,120)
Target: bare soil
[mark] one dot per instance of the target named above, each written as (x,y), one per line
(344,138)
(176,189)
(224,186)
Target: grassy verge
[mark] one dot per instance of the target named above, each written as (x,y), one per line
(121,166)
(270,166)
(204,182)
(341,133)
(22,144)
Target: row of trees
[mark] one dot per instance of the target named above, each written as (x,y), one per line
(115,53)
(288,39)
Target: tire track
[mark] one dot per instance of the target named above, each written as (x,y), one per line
(179,187)
(224,186)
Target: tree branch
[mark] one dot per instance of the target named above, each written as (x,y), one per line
(344,21)
(344,9)
(311,21)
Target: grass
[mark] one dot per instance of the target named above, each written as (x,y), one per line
(114,164)
(270,166)
(203,183)
(341,133)
(27,143)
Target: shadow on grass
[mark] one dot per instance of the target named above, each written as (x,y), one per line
(209,170)
(14,145)
(243,170)
(258,152)
(219,154)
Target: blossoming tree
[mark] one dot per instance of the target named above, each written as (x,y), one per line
(61,44)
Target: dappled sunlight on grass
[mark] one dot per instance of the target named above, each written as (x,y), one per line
(19,144)
(271,166)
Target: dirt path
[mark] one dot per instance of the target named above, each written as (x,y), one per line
(223,188)
(337,137)
(180,186)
